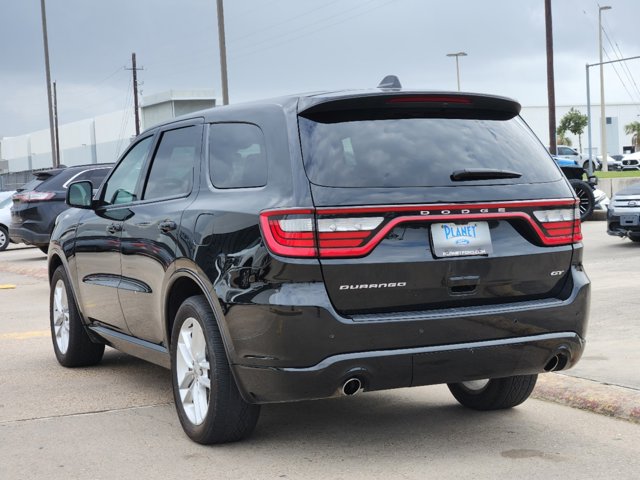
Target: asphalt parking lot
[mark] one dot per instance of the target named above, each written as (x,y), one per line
(117,420)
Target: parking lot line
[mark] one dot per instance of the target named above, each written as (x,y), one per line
(24,335)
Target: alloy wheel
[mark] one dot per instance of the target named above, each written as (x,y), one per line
(476,385)
(61,316)
(193,371)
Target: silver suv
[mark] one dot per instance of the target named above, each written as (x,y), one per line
(623,215)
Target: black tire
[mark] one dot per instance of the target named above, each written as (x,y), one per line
(44,248)
(4,238)
(634,237)
(595,166)
(496,394)
(78,350)
(227,417)
(584,192)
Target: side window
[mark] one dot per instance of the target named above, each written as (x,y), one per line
(171,172)
(237,155)
(121,186)
(95,176)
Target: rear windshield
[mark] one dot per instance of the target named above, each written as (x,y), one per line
(27,187)
(414,152)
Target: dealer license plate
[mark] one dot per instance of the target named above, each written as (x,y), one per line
(628,220)
(461,239)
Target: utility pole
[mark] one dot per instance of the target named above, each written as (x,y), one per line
(223,54)
(54,158)
(55,121)
(603,118)
(134,70)
(551,91)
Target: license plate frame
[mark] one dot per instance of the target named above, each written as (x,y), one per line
(630,220)
(453,239)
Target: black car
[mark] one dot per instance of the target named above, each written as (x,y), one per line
(37,204)
(323,245)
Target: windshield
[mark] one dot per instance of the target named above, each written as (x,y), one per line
(415,152)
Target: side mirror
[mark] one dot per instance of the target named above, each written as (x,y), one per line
(80,194)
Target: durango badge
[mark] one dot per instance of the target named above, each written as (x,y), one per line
(374,285)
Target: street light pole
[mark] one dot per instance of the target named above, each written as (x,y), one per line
(637,57)
(458,54)
(603,118)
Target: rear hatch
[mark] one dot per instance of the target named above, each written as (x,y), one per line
(37,190)
(429,201)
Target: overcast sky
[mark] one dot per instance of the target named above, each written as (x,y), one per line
(286,46)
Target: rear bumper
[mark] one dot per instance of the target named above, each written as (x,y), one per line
(387,369)
(622,222)
(24,235)
(301,352)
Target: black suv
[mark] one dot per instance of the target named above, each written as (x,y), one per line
(37,203)
(323,245)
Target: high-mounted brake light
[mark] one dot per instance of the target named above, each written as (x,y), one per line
(430,99)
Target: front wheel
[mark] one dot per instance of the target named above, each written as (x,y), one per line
(207,399)
(634,237)
(71,344)
(494,394)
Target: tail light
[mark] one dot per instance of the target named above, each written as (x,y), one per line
(33,196)
(354,232)
(559,226)
(299,233)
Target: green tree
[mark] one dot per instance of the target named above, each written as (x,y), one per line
(574,122)
(562,140)
(633,129)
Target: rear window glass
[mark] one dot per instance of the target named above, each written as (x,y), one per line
(95,176)
(30,185)
(414,152)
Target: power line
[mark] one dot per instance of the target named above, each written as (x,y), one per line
(307,31)
(283,22)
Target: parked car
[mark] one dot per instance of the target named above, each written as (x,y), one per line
(623,215)
(37,204)
(614,162)
(323,245)
(570,153)
(591,198)
(631,161)
(5,219)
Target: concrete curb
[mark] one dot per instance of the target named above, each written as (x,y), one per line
(610,400)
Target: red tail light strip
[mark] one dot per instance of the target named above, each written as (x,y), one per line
(360,243)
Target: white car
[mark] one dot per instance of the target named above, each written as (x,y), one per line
(5,218)
(571,153)
(631,161)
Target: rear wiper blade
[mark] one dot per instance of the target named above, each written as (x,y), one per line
(482,174)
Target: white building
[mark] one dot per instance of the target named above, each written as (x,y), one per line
(99,139)
(617,114)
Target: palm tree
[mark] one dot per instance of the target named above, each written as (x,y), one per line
(633,129)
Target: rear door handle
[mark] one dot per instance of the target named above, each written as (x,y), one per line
(114,228)
(167,226)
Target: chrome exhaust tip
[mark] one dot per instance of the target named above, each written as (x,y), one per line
(352,387)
